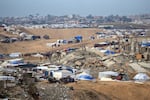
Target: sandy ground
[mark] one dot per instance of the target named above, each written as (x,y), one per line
(83,90)
(55,34)
(65,33)
(102,90)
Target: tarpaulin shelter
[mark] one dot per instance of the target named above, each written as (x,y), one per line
(141,76)
(84,76)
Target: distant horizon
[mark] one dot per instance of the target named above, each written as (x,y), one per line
(76,14)
(21,8)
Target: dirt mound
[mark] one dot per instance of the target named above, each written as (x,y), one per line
(54,34)
(89,95)
(65,33)
(111,91)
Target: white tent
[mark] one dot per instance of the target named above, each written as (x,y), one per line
(15,55)
(38,55)
(107,75)
(41,67)
(141,76)
(62,73)
(23,34)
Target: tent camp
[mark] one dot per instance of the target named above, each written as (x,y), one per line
(84,76)
(141,76)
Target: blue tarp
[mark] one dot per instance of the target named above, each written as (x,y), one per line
(79,38)
(108,52)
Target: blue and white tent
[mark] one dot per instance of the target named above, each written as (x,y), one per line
(84,76)
(141,76)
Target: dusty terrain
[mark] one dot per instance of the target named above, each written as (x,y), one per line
(87,90)
(110,90)
(65,33)
(82,90)
(105,90)
(40,45)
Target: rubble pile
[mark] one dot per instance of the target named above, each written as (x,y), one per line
(77,58)
(30,80)
(54,92)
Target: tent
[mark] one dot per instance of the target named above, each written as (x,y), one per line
(14,62)
(38,55)
(107,75)
(15,55)
(62,74)
(41,67)
(84,76)
(141,76)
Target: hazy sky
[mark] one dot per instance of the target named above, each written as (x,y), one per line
(67,7)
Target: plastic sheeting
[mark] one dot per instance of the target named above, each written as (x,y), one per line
(107,74)
(15,55)
(141,76)
(84,76)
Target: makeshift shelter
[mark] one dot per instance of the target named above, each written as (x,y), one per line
(141,76)
(13,62)
(23,34)
(61,74)
(38,55)
(84,76)
(15,55)
(41,67)
(107,75)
